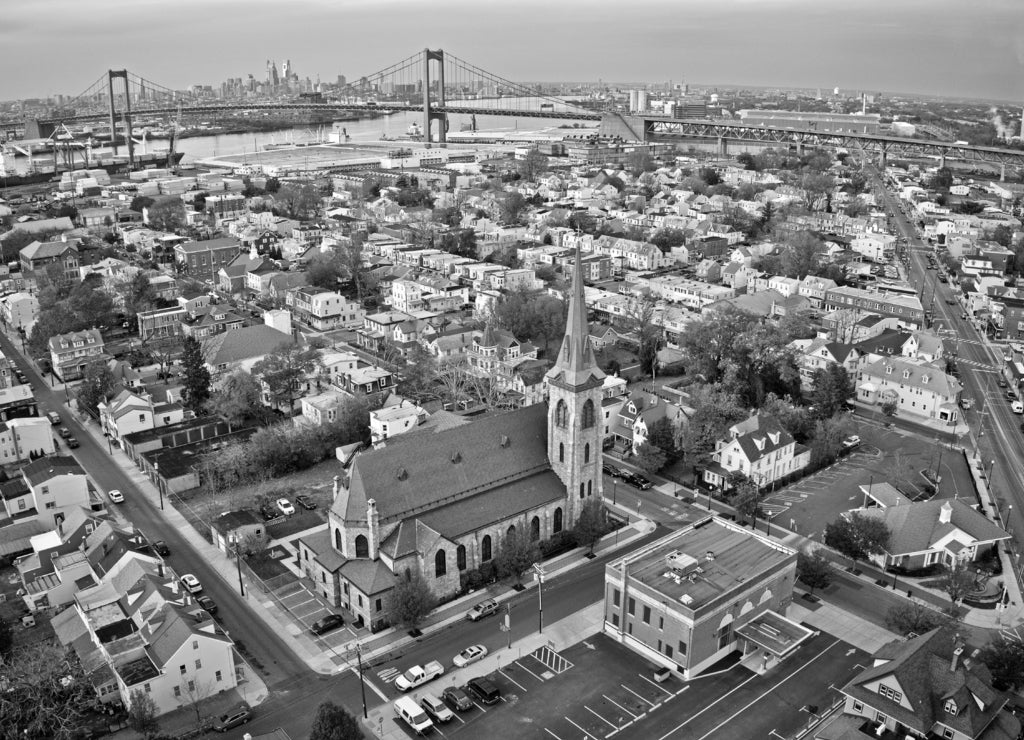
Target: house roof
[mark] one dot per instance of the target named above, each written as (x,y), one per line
(923,667)
(917,527)
(229,521)
(208,244)
(241,344)
(914,375)
(418,472)
(760,435)
(174,627)
(46,468)
(48,250)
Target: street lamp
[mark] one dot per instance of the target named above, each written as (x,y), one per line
(159,488)
(540,596)
(362,682)
(238,564)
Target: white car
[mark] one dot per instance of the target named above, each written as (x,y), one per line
(470,655)
(191,583)
(852,441)
(116,496)
(285,506)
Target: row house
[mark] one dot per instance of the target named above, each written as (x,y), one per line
(378,329)
(907,309)
(815,288)
(43,572)
(204,259)
(71,353)
(47,490)
(324,309)
(694,294)
(25,438)
(632,255)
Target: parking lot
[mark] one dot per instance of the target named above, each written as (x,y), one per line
(810,503)
(599,689)
(307,607)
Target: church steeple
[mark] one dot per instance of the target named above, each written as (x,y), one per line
(575,366)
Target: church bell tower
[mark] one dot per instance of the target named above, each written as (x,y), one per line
(574,407)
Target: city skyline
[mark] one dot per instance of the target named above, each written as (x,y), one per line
(928,47)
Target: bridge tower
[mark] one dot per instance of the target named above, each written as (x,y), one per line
(113,74)
(429,100)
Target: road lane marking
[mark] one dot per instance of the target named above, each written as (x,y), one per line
(641,698)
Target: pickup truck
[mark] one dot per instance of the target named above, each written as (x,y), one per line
(418,675)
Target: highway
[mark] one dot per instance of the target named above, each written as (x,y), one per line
(996,432)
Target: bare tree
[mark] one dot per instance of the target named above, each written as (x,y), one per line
(45,693)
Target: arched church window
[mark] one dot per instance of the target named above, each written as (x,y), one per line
(586,452)
(440,564)
(561,414)
(561,452)
(485,548)
(588,415)
(362,547)
(557,524)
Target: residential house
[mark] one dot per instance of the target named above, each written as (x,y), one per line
(321,408)
(693,597)
(71,353)
(394,420)
(25,438)
(818,353)
(47,490)
(63,253)
(760,449)
(636,416)
(17,401)
(916,389)
(241,348)
(131,411)
(323,309)
(232,529)
(20,311)
(203,260)
(923,686)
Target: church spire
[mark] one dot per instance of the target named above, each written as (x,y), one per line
(575,366)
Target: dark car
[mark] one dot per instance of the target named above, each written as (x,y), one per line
(207,604)
(305,501)
(613,471)
(161,548)
(72,443)
(484,690)
(457,699)
(639,481)
(269,513)
(326,624)
(232,718)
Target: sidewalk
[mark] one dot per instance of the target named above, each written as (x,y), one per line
(381,644)
(558,636)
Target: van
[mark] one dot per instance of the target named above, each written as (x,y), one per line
(484,690)
(413,715)
(1018,407)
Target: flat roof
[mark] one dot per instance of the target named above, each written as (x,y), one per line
(696,566)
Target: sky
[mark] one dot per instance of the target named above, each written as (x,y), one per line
(935,47)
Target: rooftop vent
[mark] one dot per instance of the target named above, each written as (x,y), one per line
(709,555)
(505,441)
(456,457)
(678,560)
(401,474)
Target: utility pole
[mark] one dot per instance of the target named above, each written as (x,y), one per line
(540,597)
(508,623)
(362,682)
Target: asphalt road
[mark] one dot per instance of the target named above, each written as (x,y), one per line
(1000,437)
(278,665)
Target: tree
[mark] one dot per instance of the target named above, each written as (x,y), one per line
(913,617)
(902,472)
(283,370)
(334,723)
(350,257)
(51,322)
(641,320)
(942,179)
(662,434)
(45,693)
(197,376)
(419,374)
(744,496)
(96,386)
(325,270)
(957,582)
(668,237)
(827,439)
(888,407)
(163,350)
(857,536)
(511,206)
(533,165)
(140,203)
(832,388)
(1005,659)
(139,295)
(91,305)
(518,553)
(142,714)
(299,200)
(534,316)
(817,186)
(460,242)
(714,411)
(591,524)
(166,215)
(814,570)
(800,258)
(649,458)
(1002,235)
(411,601)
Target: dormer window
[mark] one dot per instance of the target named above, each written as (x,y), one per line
(950,707)
(759,442)
(906,374)
(924,378)
(888,370)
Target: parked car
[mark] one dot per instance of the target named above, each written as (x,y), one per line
(638,481)
(161,548)
(191,583)
(285,506)
(481,610)
(65,432)
(484,690)
(54,417)
(613,471)
(116,496)
(457,699)
(207,604)
(967,402)
(233,718)
(305,502)
(326,624)
(470,655)
(852,441)
(436,708)
(269,513)
(72,443)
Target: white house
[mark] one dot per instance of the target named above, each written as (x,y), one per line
(917,389)
(393,420)
(758,448)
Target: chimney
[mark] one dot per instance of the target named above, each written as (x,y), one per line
(957,652)
(946,512)
(373,522)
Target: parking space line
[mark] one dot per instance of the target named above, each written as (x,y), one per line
(528,670)
(521,687)
(610,724)
(480,708)
(552,734)
(612,701)
(586,735)
(641,698)
(655,685)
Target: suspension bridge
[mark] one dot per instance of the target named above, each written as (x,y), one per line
(438,84)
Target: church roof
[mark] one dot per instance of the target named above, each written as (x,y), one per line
(576,366)
(420,472)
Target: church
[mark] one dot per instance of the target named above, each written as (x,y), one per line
(441,502)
